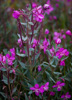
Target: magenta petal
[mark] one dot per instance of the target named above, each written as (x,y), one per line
(47,84)
(52,93)
(58,82)
(63,96)
(36,86)
(8,55)
(46,88)
(32,88)
(62,84)
(41,89)
(67,95)
(37,93)
(54,86)
(59,88)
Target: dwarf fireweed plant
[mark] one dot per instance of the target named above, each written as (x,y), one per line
(36,69)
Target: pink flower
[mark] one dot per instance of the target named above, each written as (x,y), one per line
(19,41)
(34,5)
(16,14)
(35,42)
(45,45)
(57,5)
(44,88)
(58,85)
(35,89)
(46,31)
(66,96)
(54,17)
(52,93)
(10,59)
(68,0)
(12,51)
(52,51)
(4,59)
(62,52)
(39,68)
(58,41)
(13,71)
(62,63)
(57,35)
(64,36)
(24,51)
(37,13)
(68,32)
(20,50)
(48,8)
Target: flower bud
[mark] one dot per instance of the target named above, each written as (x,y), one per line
(39,68)
(46,31)
(58,41)
(68,32)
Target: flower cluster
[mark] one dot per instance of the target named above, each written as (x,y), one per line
(35,43)
(62,52)
(8,57)
(52,51)
(58,36)
(41,89)
(48,8)
(37,14)
(45,45)
(62,62)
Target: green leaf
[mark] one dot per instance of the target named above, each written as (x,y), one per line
(5,80)
(64,58)
(37,56)
(54,61)
(24,24)
(24,38)
(48,52)
(14,90)
(21,55)
(30,23)
(57,73)
(30,92)
(35,81)
(3,69)
(49,76)
(5,51)
(29,85)
(3,94)
(26,98)
(22,64)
